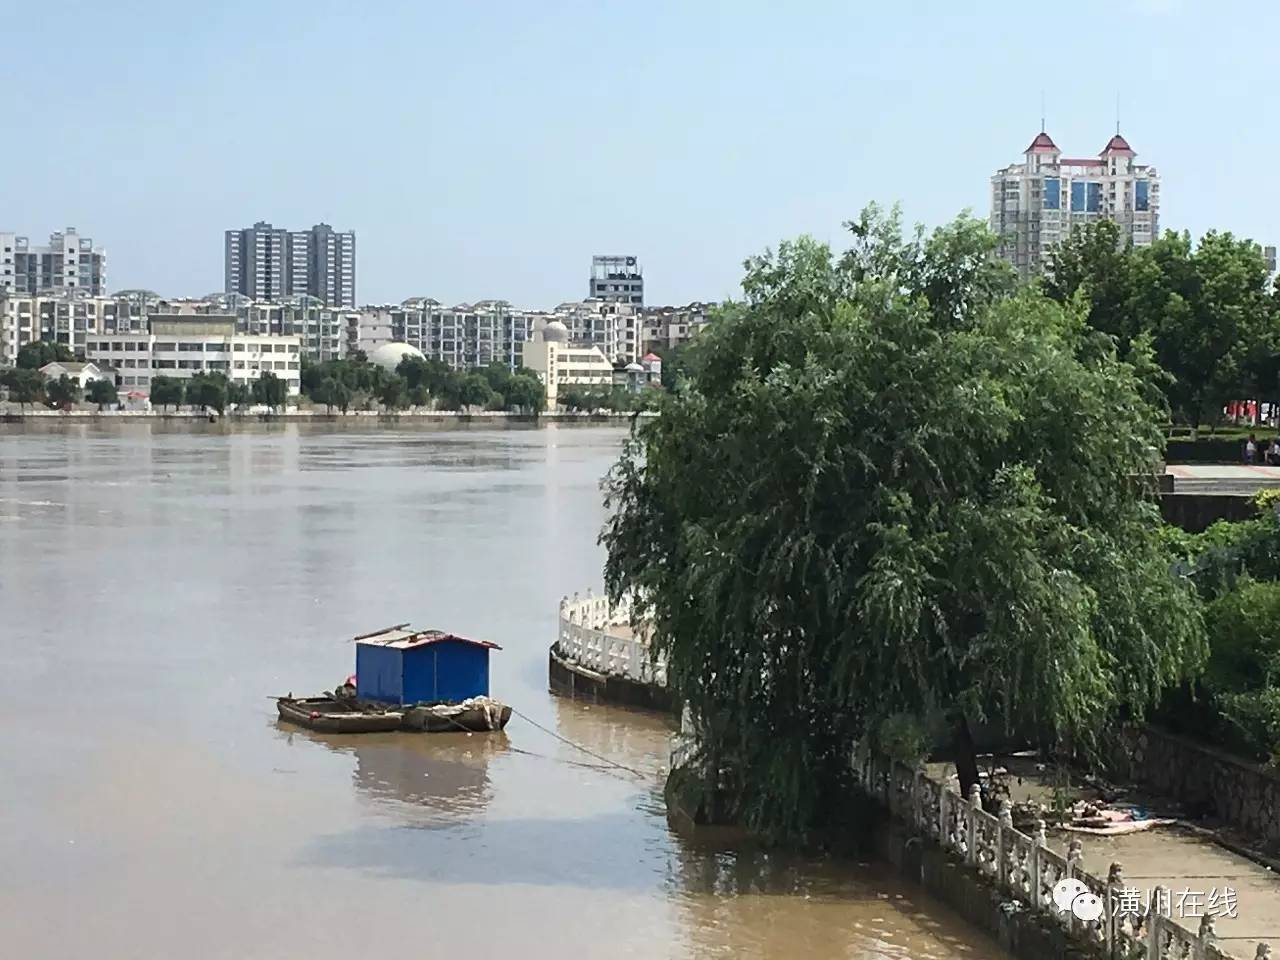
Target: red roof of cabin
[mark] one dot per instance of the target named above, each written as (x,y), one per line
(651,357)
(1042,142)
(1118,144)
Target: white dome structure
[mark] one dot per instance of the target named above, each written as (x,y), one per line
(389,355)
(555,332)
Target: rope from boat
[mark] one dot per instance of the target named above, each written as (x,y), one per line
(577,746)
(607,768)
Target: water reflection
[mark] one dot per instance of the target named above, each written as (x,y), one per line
(738,899)
(274,543)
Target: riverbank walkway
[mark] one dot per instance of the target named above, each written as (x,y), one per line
(1184,860)
(1242,479)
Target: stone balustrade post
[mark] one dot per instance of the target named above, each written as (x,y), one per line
(1115,881)
(1003,846)
(1075,865)
(975,804)
(1206,936)
(1155,924)
(1039,841)
(944,814)
(917,807)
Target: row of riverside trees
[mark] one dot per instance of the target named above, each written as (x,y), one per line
(27,386)
(1208,310)
(897,494)
(342,384)
(215,391)
(209,391)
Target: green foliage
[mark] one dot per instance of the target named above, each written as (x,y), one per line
(168,392)
(494,387)
(101,392)
(902,737)
(34,355)
(476,392)
(1209,312)
(354,373)
(1255,715)
(393,393)
(63,392)
(591,399)
(524,392)
(1267,501)
(677,362)
(207,391)
(892,486)
(332,393)
(238,394)
(24,384)
(270,390)
(1244,632)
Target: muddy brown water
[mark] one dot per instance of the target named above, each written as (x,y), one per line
(158,583)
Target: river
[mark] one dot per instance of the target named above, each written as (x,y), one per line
(158,582)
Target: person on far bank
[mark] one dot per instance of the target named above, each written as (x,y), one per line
(1251,449)
(1273,453)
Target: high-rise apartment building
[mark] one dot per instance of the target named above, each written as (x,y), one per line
(70,262)
(1037,203)
(616,278)
(332,264)
(270,263)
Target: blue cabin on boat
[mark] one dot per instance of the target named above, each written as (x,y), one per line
(404,666)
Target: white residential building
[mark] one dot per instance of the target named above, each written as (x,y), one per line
(618,278)
(63,318)
(666,327)
(559,363)
(81,373)
(1035,204)
(181,345)
(463,336)
(616,328)
(69,262)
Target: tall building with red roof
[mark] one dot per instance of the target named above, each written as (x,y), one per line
(1035,204)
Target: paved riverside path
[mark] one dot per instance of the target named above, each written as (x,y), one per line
(1242,479)
(1180,860)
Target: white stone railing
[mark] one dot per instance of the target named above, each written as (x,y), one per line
(586,639)
(1027,869)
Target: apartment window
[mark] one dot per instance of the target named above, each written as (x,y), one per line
(238,347)
(164,345)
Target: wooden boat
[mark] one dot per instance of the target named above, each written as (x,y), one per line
(478,715)
(333,716)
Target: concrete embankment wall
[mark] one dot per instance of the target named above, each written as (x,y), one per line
(580,683)
(1195,512)
(1243,795)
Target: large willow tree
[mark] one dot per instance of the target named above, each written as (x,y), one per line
(891,484)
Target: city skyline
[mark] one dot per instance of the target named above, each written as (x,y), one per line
(721,132)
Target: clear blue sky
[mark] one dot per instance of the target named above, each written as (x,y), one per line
(488,149)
